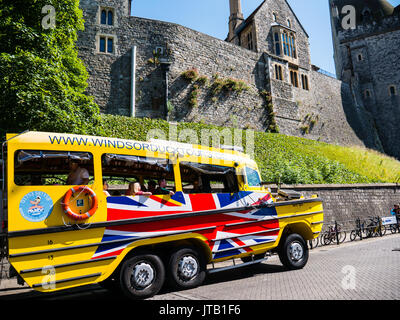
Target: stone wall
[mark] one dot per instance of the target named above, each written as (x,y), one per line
(327,108)
(367,58)
(349,202)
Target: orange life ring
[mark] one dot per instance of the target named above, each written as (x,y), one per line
(80,216)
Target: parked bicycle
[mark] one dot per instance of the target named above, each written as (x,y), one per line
(359,231)
(375,228)
(334,234)
(394,228)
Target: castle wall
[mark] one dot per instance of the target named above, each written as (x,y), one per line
(264,19)
(370,60)
(327,108)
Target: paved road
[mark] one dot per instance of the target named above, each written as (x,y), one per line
(367,269)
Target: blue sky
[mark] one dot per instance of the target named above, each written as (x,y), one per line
(211,17)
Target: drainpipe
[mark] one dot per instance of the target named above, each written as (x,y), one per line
(133,82)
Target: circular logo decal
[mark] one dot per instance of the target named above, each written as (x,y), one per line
(36,206)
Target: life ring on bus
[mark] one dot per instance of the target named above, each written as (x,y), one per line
(80,216)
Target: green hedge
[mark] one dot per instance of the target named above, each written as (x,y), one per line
(280,158)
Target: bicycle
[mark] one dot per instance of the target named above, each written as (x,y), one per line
(334,233)
(314,242)
(394,228)
(375,228)
(358,231)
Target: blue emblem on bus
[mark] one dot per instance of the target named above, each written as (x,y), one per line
(36,206)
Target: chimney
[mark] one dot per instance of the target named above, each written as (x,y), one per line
(236,17)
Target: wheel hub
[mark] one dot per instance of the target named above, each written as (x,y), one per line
(188,267)
(296,251)
(143,275)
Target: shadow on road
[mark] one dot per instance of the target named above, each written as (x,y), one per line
(96,292)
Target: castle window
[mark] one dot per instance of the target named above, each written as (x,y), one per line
(277,44)
(289,46)
(110,18)
(102,44)
(107,16)
(367,94)
(110,45)
(103,19)
(106,44)
(392,91)
(289,24)
(284,42)
(274,16)
(304,82)
(250,45)
(278,72)
(360,57)
(294,78)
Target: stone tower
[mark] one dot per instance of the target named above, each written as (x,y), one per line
(236,17)
(367,57)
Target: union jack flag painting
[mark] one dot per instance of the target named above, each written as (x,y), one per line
(227,231)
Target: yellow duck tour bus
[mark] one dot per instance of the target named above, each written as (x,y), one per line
(171,213)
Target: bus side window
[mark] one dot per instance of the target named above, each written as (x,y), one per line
(39,167)
(206,178)
(120,171)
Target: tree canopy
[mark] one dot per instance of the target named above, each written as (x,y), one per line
(42,79)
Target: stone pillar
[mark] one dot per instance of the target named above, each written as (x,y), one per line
(236,17)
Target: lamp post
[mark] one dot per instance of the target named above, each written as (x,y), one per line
(165,67)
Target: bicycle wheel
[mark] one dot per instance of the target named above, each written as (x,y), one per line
(383,228)
(342,236)
(353,235)
(315,242)
(327,239)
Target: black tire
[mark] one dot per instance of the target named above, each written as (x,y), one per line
(354,234)
(186,269)
(342,236)
(327,239)
(293,252)
(142,276)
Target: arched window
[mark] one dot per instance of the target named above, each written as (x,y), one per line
(284,42)
(103,19)
(278,72)
(107,16)
(274,16)
(106,44)
(110,21)
(289,44)
(289,23)
(102,44)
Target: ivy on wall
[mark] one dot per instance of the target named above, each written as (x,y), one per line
(218,85)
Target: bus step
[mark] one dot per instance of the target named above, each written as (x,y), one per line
(234,266)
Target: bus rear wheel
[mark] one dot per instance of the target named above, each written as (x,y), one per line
(293,252)
(142,276)
(186,269)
